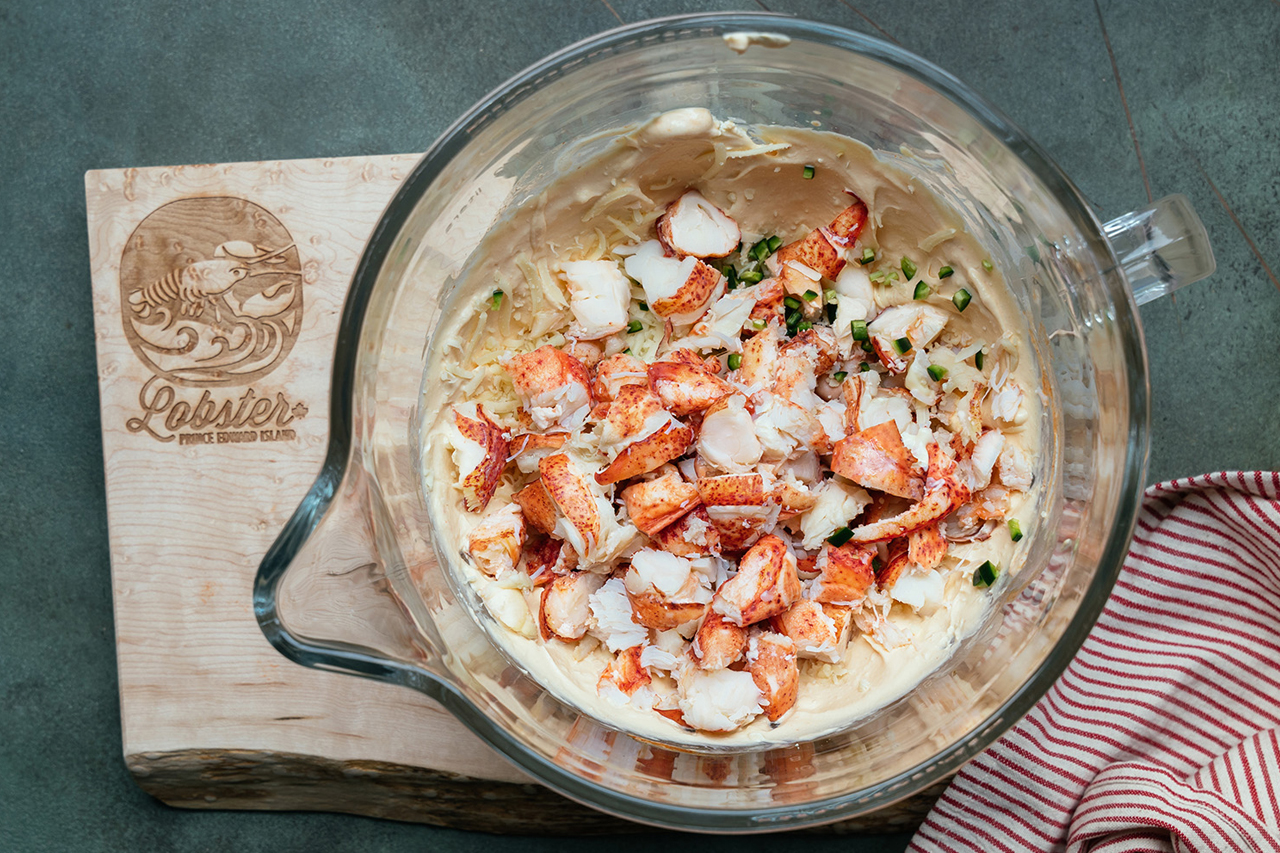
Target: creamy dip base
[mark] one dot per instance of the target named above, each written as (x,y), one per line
(754,178)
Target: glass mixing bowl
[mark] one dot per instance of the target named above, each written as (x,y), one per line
(356,582)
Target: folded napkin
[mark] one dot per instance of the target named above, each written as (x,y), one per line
(1164,733)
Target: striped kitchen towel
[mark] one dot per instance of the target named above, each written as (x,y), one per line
(1164,733)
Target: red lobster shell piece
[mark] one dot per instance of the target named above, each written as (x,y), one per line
(479,484)
(877,459)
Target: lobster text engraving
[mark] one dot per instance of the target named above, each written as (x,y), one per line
(164,414)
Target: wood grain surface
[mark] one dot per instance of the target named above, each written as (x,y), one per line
(214,373)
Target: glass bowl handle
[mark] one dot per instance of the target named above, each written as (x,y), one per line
(1161,248)
(324,595)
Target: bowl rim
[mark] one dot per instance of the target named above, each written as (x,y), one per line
(369,663)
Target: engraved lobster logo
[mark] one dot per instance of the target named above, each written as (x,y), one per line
(184,291)
(211,290)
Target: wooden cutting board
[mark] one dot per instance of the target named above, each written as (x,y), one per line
(214,426)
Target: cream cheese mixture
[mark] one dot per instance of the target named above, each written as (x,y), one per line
(736,435)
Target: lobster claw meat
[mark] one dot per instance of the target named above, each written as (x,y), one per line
(648,435)
(876,458)
(479,451)
(766,584)
(944,492)
(821,252)
(771,660)
(496,542)
(691,225)
(553,386)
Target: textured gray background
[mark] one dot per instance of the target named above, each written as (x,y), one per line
(144,82)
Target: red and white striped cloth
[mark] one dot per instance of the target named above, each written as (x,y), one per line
(1164,733)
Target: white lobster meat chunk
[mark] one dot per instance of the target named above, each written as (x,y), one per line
(626,681)
(821,252)
(919,589)
(918,323)
(982,461)
(599,296)
(766,584)
(813,632)
(612,619)
(664,589)
(944,492)
(585,517)
(717,700)
(837,505)
(648,434)
(877,459)
(727,440)
(653,504)
(694,226)
(846,574)
(771,660)
(721,327)
(566,604)
(614,372)
(677,290)
(1015,467)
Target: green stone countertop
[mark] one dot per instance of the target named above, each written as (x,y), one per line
(142,82)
